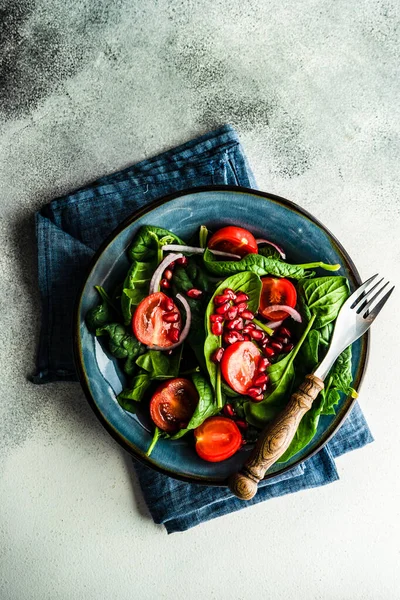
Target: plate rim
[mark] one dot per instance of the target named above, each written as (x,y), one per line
(78,358)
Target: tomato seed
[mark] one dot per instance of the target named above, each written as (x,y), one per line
(218,354)
(216,318)
(261,379)
(228,410)
(183,261)
(221,310)
(254,391)
(268,351)
(216,328)
(170,317)
(241,297)
(241,306)
(247,314)
(165,284)
(241,424)
(263,364)
(256,334)
(221,299)
(232,313)
(230,293)
(168,274)
(288,348)
(168,304)
(173,334)
(276,346)
(284,331)
(194,293)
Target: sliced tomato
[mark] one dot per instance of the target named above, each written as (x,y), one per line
(148,324)
(235,240)
(173,404)
(276,290)
(217,438)
(239,365)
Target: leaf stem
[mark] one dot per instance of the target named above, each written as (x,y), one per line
(203,234)
(321,265)
(303,337)
(263,327)
(218,390)
(153,441)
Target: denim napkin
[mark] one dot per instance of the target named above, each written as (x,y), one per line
(70,229)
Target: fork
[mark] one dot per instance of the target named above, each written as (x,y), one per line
(355,317)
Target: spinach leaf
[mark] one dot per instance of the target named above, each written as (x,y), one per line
(205,408)
(250,284)
(102,313)
(281,376)
(269,252)
(308,357)
(147,242)
(129,397)
(121,343)
(158,434)
(159,365)
(325,334)
(136,287)
(323,297)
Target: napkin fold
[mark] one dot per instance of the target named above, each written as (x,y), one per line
(70,229)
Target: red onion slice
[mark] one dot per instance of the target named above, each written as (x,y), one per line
(296,316)
(274,324)
(157,275)
(277,248)
(185,330)
(195,250)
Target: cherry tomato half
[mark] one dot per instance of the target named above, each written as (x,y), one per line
(148,324)
(276,291)
(217,438)
(239,365)
(235,240)
(173,404)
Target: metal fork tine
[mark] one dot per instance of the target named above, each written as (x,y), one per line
(370,315)
(359,293)
(369,299)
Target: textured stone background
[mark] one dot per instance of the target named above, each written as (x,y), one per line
(91,86)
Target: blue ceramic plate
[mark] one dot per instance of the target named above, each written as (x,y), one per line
(304,239)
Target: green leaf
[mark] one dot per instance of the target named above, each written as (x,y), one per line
(147,241)
(206,407)
(256,263)
(323,297)
(269,252)
(325,334)
(158,434)
(129,397)
(308,356)
(159,365)
(136,287)
(246,282)
(101,314)
(121,343)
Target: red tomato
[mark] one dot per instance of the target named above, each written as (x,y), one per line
(148,324)
(235,240)
(239,365)
(173,404)
(217,438)
(276,291)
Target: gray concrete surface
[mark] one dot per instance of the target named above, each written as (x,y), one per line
(89,87)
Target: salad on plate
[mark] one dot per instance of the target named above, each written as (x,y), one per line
(214,336)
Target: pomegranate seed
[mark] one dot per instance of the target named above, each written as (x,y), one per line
(230,293)
(261,379)
(221,299)
(276,346)
(171,265)
(183,261)
(241,297)
(241,307)
(165,284)
(268,351)
(288,348)
(282,340)
(216,318)
(230,337)
(265,340)
(168,274)
(254,391)
(232,313)
(218,354)
(263,364)
(173,334)
(249,327)
(241,424)
(256,334)
(221,310)
(235,324)
(170,317)
(244,441)
(216,328)
(258,398)
(247,314)
(168,304)
(285,332)
(228,410)
(246,337)
(194,293)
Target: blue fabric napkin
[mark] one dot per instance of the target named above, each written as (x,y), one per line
(70,229)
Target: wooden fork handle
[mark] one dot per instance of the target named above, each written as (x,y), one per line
(275,439)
